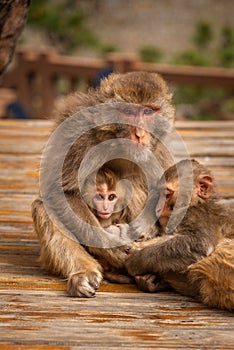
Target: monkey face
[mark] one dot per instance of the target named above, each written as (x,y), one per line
(166,202)
(142,117)
(134,122)
(104,201)
(195,184)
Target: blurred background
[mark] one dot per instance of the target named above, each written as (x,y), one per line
(70,45)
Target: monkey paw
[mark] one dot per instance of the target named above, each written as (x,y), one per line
(84,284)
(150,283)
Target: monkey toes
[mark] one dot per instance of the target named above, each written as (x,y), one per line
(84,284)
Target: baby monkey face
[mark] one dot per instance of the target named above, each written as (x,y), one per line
(104,201)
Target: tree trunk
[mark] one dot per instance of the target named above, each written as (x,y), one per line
(13,14)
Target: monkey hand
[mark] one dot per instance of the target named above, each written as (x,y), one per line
(85,282)
(119,230)
(150,283)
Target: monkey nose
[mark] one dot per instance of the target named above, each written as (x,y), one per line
(105,205)
(140,133)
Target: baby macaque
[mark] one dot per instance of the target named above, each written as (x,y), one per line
(197,258)
(107,198)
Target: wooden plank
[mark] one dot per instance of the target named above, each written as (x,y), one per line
(35,347)
(128,320)
(36,312)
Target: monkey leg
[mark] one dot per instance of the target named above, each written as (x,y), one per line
(61,255)
(215,276)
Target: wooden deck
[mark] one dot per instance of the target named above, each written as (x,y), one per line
(36,312)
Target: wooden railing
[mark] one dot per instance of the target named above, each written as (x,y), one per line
(40,78)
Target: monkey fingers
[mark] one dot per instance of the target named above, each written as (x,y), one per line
(84,285)
(150,283)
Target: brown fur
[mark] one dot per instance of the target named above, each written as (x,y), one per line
(197,259)
(116,223)
(214,276)
(61,253)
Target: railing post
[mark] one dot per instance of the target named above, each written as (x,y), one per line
(23,85)
(47,84)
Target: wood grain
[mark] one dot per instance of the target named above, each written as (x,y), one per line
(36,312)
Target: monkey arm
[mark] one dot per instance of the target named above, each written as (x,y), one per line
(117,255)
(62,255)
(168,253)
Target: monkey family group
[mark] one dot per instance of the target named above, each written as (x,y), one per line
(133,215)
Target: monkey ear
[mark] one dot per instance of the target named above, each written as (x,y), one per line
(204,186)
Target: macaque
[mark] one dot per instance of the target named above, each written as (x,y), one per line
(197,258)
(107,198)
(65,254)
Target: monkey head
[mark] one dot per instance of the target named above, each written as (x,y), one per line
(203,188)
(104,194)
(154,114)
(104,201)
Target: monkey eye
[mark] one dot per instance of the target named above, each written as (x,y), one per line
(167,193)
(127,111)
(99,197)
(148,111)
(112,196)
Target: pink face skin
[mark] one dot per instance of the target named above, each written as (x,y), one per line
(104,201)
(144,116)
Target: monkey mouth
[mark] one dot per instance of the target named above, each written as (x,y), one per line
(104,215)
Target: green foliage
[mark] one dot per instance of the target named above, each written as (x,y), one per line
(226,57)
(192,58)
(229,105)
(226,51)
(150,54)
(207,104)
(203,54)
(203,35)
(105,49)
(227,36)
(195,94)
(63,22)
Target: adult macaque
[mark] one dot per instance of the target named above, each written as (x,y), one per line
(197,259)
(153,117)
